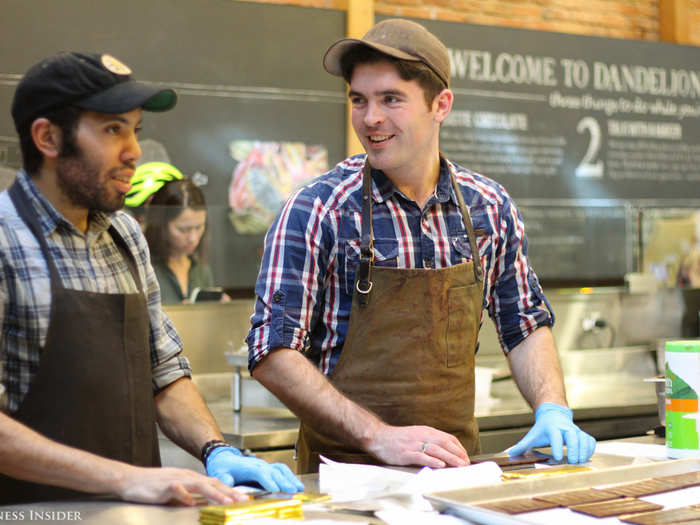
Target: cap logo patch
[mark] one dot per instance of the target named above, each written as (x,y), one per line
(115,66)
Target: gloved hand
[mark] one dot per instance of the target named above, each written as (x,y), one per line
(230,466)
(554,426)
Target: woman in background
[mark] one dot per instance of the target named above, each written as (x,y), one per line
(175,222)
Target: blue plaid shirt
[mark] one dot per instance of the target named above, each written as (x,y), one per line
(89,262)
(304,289)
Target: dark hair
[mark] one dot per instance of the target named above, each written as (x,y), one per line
(166,205)
(66,118)
(407,69)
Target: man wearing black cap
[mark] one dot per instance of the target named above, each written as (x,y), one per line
(369,274)
(88,360)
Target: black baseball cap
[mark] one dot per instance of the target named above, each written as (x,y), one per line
(92,81)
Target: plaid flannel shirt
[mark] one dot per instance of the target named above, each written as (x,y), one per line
(88,262)
(304,289)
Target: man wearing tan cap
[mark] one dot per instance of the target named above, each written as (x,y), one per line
(369,296)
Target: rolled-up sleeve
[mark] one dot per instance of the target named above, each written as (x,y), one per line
(168,363)
(517,303)
(291,276)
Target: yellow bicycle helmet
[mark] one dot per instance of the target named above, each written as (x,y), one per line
(148,179)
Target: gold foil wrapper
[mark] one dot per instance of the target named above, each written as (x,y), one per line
(543,472)
(311,497)
(261,508)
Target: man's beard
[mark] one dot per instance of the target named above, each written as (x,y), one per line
(78,177)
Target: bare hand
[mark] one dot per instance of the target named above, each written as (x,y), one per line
(167,485)
(417,445)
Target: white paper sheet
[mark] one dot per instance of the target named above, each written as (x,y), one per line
(368,487)
(438,480)
(352,482)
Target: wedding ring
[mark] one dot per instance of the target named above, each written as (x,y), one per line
(424,447)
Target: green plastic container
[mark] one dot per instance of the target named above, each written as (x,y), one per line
(682,387)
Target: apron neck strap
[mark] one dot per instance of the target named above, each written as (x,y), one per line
(128,256)
(26,213)
(476,259)
(364,282)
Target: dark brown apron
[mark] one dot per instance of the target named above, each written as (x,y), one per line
(409,353)
(93,389)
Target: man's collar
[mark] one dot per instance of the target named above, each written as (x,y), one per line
(383,189)
(443,191)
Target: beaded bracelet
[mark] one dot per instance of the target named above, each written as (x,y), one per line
(209,446)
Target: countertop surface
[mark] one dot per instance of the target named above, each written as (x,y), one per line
(612,397)
(115,512)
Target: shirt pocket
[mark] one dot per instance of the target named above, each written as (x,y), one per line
(386,253)
(462,248)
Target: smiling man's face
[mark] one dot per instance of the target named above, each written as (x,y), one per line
(391,118)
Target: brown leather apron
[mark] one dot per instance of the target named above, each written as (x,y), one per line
(93,389)
(409,353)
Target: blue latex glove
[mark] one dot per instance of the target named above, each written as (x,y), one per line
(554,426)
(231,467)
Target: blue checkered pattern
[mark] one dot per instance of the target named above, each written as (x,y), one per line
(88,262)
(304,289)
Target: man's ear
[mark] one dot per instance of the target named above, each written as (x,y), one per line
(442,105)
(46,137)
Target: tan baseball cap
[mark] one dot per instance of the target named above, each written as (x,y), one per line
(397,38)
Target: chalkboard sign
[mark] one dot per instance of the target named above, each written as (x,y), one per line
(244,72)
(578,129)
(579,243)
(601,123)
(564,116)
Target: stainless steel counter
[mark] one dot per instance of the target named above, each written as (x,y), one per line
(109,512)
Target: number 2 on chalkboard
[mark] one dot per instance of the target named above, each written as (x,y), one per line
(588,167)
